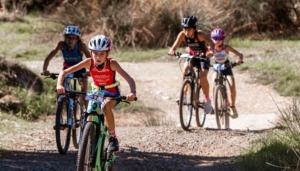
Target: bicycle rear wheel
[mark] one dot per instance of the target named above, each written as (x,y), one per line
(62,130)
(186,104)
(199,107)
(86,148)
(77,119)
(222,117)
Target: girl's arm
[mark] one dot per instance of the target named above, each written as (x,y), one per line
(83,64)
(114,65)
(59,46)
(237,53)
(178,41)
(85,50)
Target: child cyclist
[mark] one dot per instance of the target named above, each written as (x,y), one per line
(103,71)
(72,49)
(221,56)
(197,42)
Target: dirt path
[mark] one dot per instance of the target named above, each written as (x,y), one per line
(160,147)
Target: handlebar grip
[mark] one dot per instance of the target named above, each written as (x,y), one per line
(124,98)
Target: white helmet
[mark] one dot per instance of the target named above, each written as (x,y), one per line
(72,30)
(100,43)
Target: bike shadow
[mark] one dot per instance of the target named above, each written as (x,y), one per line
(142,161)
(37,160)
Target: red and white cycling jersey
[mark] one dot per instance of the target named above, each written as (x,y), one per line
(104,76)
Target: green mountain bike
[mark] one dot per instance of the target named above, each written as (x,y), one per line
(93,154)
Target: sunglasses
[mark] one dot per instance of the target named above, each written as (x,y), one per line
(218,38)
(71,38)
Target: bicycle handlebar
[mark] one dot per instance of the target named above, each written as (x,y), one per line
(55,75)
(232,64)
(122,98)
(186,55)
(51,75)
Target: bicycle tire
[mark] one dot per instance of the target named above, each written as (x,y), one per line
(77,119)
(199,107)
(220,102)
(186,104)
(86,148)
(61,126)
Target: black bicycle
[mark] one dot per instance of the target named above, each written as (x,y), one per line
(222,110)
(69,115)
(190,94)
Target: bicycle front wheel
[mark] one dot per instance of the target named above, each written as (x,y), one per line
(199,107)
(62,130)
(86,148)
(186,104)
(222,117)
(77,119)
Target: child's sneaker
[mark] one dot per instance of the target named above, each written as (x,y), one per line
(113,144)
(207,106)
(233,112)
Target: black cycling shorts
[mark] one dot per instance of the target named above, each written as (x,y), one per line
(200,64)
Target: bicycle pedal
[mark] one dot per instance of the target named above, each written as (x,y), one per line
(61,127)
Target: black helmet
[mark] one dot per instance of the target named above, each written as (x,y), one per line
(189,21)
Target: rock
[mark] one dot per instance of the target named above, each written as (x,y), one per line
(10,102)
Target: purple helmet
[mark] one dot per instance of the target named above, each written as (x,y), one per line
(218,32)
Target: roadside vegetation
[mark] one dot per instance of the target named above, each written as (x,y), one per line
(266,31)
(278,149)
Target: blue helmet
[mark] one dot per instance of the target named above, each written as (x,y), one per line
(72,30)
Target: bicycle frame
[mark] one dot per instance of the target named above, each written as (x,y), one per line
(99,124)
(193,75)
(67,85)
(190,98)
(220,95)
(72,110)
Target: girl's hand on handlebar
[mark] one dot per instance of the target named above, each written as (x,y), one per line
(209,53)
(131,96)
(239,61)
(45,73)
(60,89)
(171,52)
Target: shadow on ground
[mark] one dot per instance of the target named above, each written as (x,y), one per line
(128,160)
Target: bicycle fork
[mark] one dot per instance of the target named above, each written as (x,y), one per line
(71,119)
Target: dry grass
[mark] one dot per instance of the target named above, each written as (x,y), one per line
(156,23)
